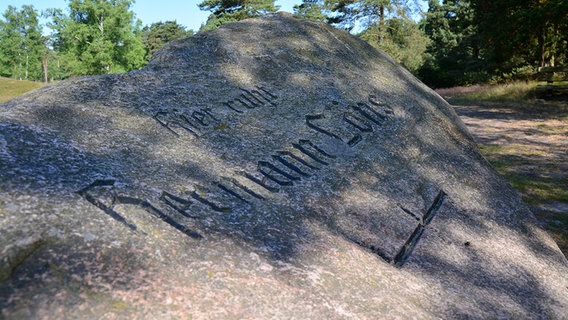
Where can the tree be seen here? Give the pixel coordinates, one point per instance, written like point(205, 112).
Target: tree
point(34, 43)
point(385, 25)
point(402, 39)
point(159, 34)
point(225, 11)
point(530, 32)
point(98, 37)
point(314, 10)
point(455, 56)
point(21, 44)
point(364, 14)
point(11, 41)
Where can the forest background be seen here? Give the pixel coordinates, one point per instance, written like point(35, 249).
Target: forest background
point(459, 42)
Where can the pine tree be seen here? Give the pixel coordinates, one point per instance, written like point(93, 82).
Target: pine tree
point(314, 10)
point(21, 44)
point(364, 14)
point(402, 40)
point(159, 34)
point(225, 11)
point(454, 54)
point(385, 25)
point(530, 32)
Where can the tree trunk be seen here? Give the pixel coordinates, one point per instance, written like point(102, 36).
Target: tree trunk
point(381, 23)
point(27, 66)
point(541, 47)
point(45, 62)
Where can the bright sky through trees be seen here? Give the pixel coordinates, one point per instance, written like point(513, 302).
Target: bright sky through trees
point(185, 12)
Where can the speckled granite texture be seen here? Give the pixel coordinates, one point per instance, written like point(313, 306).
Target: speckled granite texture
point(272, 169)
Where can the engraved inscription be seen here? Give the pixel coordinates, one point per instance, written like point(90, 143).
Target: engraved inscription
point(148, 207)
point(250, 99)
point(240, 186)
point(99, 204)
point(117, 199)
point(192, 121)
point(208, 202)
point(361, 116)
point(312, 151)
point(179, 204)
point(280, 169)
point(310, 121)
point(423, 222)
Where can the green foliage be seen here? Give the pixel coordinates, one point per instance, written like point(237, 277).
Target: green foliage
point(454, 57)
point(225, 11)
point(159, 34)
point(402, 40)
point(367, 13)
point(530, 32)
point(385, 26)
point(314, 10)
point(98, 37)
point(476, 41)
point(21, 44)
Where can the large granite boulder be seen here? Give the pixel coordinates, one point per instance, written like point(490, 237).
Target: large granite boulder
point(274, 168)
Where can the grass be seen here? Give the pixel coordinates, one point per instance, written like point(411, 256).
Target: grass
point(521, 91)
point(511, 113)
point(535, 188)
point(10, 88)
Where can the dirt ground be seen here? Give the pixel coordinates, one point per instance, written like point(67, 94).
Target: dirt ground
point(528, 144)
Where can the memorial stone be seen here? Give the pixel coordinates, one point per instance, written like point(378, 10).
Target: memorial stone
point(274, 168)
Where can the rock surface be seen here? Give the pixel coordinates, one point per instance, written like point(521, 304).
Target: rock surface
point(274, 168)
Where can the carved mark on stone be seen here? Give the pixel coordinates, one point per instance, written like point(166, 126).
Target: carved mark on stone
point(312, 151)
point(192, 121)
point(204, 117)
point(410, 213)
point(239, 185)
point(250, 99)
point(357, 121)
point(99, 204)
point(245, 101)
point(374, 249)
point(232, 192)
point(276, 174)
point(264, 95)
point(423, 222)
point(355, 140)
point(261, 181)
point(179, 204)
point(170, 120)
point(310, 119)
point(148, 207)
point(386, 109)
point(210, 203)
point(369, 112)
point(230, 105)
point(284, 156)
point(119, 199)
point(248, 96)
point(267, 92)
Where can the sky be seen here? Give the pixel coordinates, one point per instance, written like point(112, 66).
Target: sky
point(185, 12)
